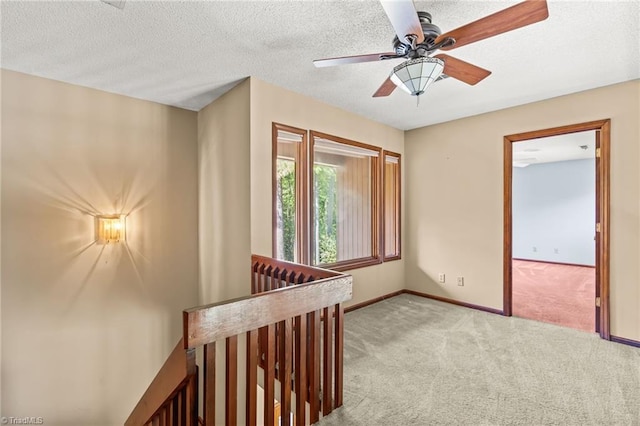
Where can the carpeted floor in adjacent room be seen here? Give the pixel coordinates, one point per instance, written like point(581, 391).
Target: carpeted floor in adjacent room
point(415, 361)
point(554, 293)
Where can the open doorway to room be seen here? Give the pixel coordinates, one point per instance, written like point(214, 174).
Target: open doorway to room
point(556, 258)
point(553, 233)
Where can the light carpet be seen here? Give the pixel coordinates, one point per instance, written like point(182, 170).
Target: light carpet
point(415, 361)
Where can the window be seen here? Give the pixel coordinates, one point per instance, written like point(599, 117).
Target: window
point(289, 159)
point(345, 202)
point(327, 200)
point(391, 206)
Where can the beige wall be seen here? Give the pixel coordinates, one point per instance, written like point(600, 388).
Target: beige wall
point(454, 197)
point(224, 196)
point(85, 327)
point(274, 104)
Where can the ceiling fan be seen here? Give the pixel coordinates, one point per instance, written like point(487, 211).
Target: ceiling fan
point(417, 38)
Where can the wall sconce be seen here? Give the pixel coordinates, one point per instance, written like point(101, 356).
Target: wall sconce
point(110, 229)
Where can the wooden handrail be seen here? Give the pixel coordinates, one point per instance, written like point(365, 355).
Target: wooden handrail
point(207, 324)
point(176, 370)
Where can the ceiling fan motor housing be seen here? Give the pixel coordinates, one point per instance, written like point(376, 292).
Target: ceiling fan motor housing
point(431, 32)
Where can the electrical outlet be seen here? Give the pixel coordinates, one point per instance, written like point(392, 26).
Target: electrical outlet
point(460, 281)
point(555, 250)
point(535, 249)
point(441, 277)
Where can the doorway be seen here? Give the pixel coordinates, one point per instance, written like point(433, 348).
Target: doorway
point(600, 294)
point(553, 217)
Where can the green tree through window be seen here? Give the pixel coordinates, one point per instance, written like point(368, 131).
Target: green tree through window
point(326, 213)
point(286, 198)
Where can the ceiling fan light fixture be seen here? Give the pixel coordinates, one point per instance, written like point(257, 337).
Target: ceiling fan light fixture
point(415, 75)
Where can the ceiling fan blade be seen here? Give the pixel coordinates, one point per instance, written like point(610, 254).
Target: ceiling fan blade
point(404, 19)
point(330, 62)
point(463, 71)
point(386, 89)
point(115, 3)
point(518, 16)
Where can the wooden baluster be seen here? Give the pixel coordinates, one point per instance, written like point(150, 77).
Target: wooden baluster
point(192, 399)
point(292, 278)
point(327, 358)
point(209, 396)
point(167, 414)
point(314, 366)
point(161, 417)
point(269, 373)
point(269, 276)
point(185, 409)
point(262, 339)
point(252, 377)
point(339, 340)
point(285, 373)
point(262, 279)
point(182, 408)
point(254, 278)
point(195, 388)
point(300, 368)
point(276, 362)
point(262, 333)
point(175, 410)
point(231, 380)
point(275, 279)
point(300, 279)
point(155, 421)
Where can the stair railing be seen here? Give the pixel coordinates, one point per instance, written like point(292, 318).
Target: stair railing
point(172, 397)
point(321, 353)
point(291, 331)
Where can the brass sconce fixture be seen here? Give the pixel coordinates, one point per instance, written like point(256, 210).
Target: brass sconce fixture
point(110, 229)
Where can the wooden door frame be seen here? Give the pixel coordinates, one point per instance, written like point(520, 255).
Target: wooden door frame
point(603, 130)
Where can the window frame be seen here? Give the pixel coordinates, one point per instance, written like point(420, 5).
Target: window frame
point(398, 206)
point(302, 224)
point(304, 212)
point(375, 257)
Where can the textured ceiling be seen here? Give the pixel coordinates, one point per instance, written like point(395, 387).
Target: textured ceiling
point(188, 53)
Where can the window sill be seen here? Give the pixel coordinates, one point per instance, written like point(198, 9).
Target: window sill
point(391, 258)
point(352, 264)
